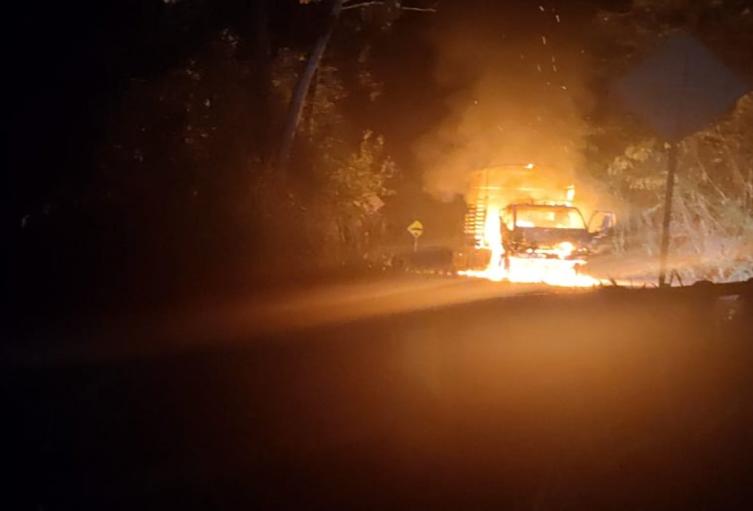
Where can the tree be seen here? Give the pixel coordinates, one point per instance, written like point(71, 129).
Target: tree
point(303, 85)
point(710, 232)
point(312, 63)
point(712, 228)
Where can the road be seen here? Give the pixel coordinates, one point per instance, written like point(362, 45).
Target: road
point(248, 318)
point(407, 394)
point(174, 328)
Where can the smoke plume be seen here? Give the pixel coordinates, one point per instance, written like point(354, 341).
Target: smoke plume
point(516, 94)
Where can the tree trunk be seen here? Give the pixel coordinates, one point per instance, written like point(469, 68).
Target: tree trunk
point(302, 87)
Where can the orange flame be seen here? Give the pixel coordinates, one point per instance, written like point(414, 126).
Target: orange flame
point(554, 271)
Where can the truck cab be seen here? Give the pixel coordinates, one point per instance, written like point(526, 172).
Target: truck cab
point(543, 230)
point(552, 231)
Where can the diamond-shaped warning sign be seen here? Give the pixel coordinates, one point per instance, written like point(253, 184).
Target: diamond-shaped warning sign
point(416, 229)
point(680, 87)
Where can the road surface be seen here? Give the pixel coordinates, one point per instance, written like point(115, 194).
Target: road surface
point(417, 394)
point(249, 318)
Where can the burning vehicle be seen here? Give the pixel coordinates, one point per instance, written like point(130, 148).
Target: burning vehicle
point(552, 231)
point(522, 230)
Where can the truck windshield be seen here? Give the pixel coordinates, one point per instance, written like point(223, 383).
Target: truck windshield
point(549, 218)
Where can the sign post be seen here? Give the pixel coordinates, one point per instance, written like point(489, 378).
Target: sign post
point(670, 188)
point(678, 90)
point(416, 229)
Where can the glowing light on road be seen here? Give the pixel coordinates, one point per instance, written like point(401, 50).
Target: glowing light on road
point(554, 272)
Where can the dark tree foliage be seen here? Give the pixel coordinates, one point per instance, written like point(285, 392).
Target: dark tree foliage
point(154, 178)
point(713, 212)
point(142, 132)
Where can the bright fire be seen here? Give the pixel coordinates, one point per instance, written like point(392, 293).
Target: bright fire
point(490, 190)
point(554, 271)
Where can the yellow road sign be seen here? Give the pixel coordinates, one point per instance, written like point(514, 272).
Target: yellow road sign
point(416, 229)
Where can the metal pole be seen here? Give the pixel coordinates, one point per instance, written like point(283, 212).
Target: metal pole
point(670, 187)
point(415, 243)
